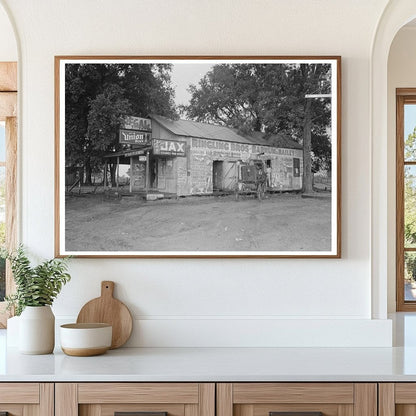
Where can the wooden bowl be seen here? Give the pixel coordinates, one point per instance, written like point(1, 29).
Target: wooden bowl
point(84, 340)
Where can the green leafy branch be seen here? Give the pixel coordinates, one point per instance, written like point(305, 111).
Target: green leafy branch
point(35, 286)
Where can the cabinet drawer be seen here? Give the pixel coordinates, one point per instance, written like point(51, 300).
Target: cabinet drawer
point(296, 399)
point(21, 399)
point(138, 393)
point(145, 399)
point(19, 393)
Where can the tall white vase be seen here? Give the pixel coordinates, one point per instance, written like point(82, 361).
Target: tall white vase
point(37, 330)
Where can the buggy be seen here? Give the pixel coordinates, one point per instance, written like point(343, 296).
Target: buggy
point(251, 179)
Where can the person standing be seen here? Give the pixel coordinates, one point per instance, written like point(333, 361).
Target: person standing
point(269, 177)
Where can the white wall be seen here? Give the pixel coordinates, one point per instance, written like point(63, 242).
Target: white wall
point(203, 302)
point(401, 74)
point(8, 47)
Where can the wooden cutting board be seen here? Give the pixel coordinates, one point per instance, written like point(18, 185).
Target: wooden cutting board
point(108, 310)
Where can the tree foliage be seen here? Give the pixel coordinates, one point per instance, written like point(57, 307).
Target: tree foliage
point(410, 192)
point(410, 205)
point(35, 286)
point(104, 118)
point(96, 98)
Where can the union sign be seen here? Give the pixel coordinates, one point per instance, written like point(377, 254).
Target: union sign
point(134, 137)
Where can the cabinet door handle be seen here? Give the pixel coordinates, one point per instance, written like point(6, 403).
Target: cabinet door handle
point(138, 414)
point(295, 413)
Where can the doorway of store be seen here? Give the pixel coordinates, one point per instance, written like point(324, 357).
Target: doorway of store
point(217, 172)
point(153, 173)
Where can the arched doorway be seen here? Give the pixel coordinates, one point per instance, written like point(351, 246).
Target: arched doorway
point(396, 15)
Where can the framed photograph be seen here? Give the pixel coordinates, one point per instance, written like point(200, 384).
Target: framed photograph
point(198, 156)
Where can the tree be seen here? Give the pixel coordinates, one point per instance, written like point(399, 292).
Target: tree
point(410, 192)
point(104, 118)
point(270, 98)
point(96, 98)
point(410, 146)
point(410, 217)
point(314, 79)
point(410, 205)
point(234, 95)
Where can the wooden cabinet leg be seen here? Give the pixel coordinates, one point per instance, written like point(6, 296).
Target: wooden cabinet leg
point(386, 399)
point(224, 399)
point(66, 399)
point(47, 399)
point(207, 399)
point(365, 399)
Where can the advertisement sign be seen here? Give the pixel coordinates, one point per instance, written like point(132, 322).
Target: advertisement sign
point(169, 147)
point(134, 153)
point(227, 147)
point(137, 123)
point(134, 137)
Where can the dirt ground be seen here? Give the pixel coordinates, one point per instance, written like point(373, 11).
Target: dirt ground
point(283, 222)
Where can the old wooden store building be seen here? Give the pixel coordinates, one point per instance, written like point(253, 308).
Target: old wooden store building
point(183, 157)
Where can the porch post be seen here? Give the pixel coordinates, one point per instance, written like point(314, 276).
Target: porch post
point(131, 174)
point(118, 171)
point(147, 172)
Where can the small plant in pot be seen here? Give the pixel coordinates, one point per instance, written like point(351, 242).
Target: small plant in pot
point(36, 289)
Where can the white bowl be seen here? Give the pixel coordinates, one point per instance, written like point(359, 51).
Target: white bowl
point(83, 340)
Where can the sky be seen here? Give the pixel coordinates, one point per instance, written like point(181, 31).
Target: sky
point(184, 74)
point(409, 119)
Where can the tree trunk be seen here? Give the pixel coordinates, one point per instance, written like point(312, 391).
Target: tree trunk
point(113, 168)
point(307, 149)
point(88, 173)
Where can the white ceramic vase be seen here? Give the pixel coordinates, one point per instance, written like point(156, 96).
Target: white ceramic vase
point(37, 330)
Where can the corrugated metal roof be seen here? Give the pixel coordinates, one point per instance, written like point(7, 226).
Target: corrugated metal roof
point(200, 130)
point(191, 128)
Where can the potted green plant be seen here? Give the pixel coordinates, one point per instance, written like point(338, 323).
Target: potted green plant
point(36, 289)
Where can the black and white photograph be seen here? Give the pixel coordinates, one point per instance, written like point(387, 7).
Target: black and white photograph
point(198, 156)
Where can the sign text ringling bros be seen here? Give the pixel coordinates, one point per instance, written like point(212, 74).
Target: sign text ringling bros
point(239, 147)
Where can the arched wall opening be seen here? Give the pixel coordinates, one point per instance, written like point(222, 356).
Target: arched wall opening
point(401, 73)
point(8, 44)
point(384, 80)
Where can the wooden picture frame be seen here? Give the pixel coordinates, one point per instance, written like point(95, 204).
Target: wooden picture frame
point(246, 163)
point(8, 116)
point(405, 301)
